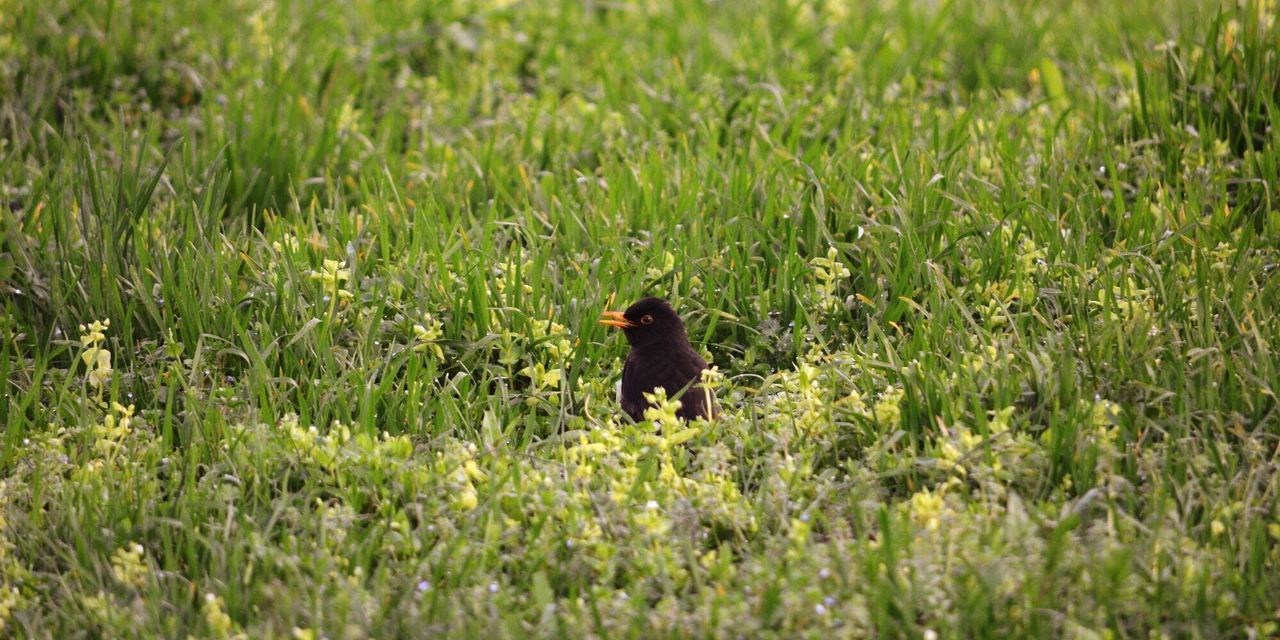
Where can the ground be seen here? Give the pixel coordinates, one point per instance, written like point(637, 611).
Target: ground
point(299, 328)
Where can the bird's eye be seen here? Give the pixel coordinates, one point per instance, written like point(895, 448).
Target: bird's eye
point(646, 320)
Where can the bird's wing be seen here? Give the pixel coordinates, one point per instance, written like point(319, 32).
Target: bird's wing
point(697, 361)
point(678, 372)
point(689, 367)
point(697, 401)
point(633, 407)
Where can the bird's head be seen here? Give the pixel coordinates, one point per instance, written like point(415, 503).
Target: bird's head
point(649, 321)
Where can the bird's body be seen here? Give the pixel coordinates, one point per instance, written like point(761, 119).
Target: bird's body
point(660, 357)
point(674, 372)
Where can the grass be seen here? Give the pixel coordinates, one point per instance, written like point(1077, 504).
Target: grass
point(991, 289)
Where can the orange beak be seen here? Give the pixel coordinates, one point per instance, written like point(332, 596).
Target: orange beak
point(616, 319)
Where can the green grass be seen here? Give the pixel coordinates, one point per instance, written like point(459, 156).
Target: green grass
point(993, 287)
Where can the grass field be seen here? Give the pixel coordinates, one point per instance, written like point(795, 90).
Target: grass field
point(299, 318)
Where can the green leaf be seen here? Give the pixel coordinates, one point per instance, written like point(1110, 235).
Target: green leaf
point(1054, 87)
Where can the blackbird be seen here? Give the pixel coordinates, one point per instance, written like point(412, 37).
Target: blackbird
point(661, 356)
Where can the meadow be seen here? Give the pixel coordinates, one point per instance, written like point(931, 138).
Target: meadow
point(299, 334)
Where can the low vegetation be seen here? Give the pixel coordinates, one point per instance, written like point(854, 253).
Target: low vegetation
point(299, 318)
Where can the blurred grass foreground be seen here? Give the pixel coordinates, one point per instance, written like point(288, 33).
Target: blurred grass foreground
point(298, 335)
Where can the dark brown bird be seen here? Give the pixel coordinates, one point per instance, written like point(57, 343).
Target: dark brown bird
point(661, 356)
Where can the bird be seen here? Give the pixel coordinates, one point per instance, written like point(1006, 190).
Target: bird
point(660, 357)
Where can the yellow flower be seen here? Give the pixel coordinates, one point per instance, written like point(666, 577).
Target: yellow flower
point(473, 471)
point(681, 437)
point(668, 265)
point(331, 277)
point(99, 362)
point(949, 458)
point(126, 414)
point(829, 271)
point(651, 520)
point(926, 508)
point(219, 622)
point(662, 411)
point(999, 422)
point(799, 531)
point(94, 333)
point(585, 450)
point(1104, 413)
point(100, 607)
point(467, 499)
point(552, 335)
point(96, 357)
point(542, 377)
point(708, 559)
point(1103, 417)
point(9, 597)
point(427, 334)
point(127, 565)
point(888, 410)
point(113, 430)
point(287, 244)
